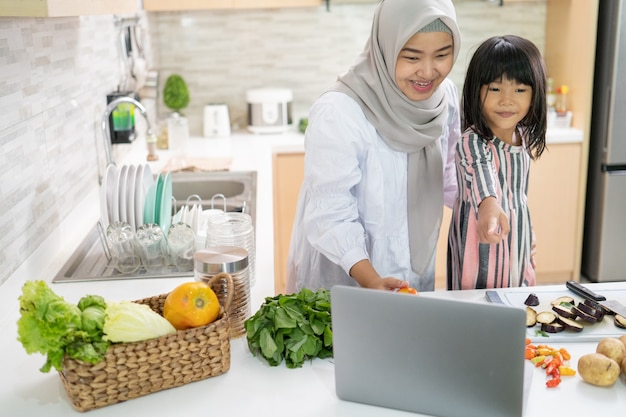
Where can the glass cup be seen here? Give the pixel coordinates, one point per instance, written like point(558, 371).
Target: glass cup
point(181, 241)
point(121, 241)
point(152, 247)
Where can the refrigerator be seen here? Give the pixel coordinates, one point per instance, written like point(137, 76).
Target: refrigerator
point(604, 236)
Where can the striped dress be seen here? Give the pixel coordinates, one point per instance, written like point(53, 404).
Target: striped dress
point(490, 168)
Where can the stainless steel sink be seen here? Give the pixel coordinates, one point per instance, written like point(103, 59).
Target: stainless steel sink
point(234, 191)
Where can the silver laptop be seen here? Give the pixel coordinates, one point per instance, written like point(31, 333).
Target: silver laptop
point(428, 355)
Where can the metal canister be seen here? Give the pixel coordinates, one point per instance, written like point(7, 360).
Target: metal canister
point(234, 261)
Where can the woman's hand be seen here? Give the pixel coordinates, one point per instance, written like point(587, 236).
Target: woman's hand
point(366, 276)
point(393, 284)
point(493, 223)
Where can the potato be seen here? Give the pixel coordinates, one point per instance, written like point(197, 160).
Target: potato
point(623, 339)
point(624, 366)
point(597, 369)
point(613, 348)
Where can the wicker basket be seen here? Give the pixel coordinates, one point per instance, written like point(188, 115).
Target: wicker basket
point(131, 370)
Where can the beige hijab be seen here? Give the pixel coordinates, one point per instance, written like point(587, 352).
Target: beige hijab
point(406, 126)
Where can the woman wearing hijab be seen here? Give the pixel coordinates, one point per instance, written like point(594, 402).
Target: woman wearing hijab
point(379, 157)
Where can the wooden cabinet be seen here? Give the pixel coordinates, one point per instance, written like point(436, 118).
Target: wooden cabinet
point(553, 198)
point(58, 8)
point(570, 54)
point(173, 5)
point(287, 175)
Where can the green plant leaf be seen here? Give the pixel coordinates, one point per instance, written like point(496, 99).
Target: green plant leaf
point(175, 93)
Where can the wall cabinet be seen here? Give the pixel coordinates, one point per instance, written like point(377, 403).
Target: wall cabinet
point(173, 5)
point(58, 8)
point(287, 175)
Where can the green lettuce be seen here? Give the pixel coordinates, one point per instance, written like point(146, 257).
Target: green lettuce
point(53, 327)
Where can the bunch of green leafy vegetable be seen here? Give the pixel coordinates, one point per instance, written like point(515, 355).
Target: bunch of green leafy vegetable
point(292, 327)
point(51, 326)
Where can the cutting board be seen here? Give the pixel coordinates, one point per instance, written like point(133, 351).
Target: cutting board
point(592, 332)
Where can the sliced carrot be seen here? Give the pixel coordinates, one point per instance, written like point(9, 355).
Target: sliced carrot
point(566, 355)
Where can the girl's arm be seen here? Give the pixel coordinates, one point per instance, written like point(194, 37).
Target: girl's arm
point(475, 159)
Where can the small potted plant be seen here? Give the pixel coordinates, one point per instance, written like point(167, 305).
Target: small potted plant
point(176, 98)
point(176, 93)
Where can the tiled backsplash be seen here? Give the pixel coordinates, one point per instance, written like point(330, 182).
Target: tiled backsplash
point(56, 72)
point(221, 54)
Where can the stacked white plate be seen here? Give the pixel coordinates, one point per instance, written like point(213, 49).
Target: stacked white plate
point(123, 194)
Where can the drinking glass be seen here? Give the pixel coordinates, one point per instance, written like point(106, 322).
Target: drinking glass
point(181, 241)
point(152, 247)
point(121, 241)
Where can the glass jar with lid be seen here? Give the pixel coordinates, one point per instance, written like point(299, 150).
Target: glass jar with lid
point(233, 229)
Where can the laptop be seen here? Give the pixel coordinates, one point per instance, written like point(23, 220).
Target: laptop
point(428, 355)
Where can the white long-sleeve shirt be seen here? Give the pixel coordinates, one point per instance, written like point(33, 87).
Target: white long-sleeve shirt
point(353, 201)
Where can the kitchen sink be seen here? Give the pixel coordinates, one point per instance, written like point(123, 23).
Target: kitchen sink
point(232, 191)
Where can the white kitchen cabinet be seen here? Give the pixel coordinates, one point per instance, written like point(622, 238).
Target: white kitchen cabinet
point(173, 5)
point(58, 8)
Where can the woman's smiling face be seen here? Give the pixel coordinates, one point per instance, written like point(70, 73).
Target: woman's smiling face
point(423, 63)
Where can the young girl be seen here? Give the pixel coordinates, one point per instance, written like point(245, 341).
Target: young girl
point(491, 240)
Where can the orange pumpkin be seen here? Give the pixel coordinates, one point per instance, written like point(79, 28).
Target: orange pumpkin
point(191, 304)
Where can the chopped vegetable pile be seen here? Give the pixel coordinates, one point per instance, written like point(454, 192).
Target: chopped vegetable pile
point(293, 327)
point(554, 361)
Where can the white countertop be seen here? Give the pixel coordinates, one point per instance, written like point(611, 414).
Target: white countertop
point(556, 135)
point(250, 387)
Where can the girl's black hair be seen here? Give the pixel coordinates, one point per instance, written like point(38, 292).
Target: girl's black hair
point(513, 58)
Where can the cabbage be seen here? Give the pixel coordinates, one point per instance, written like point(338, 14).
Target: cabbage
point(92, 314)
point(130, 322)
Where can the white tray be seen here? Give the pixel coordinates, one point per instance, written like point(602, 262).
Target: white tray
point(591, 332)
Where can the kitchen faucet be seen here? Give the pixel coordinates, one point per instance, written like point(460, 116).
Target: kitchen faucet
point(105, 123)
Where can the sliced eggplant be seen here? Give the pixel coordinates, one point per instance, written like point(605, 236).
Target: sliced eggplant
point(554, 327)
point(598, 306)
point(564, 311)
point(620, 321)
point(532, 300)
point(531, 317)
point(563, 299)
point(598, 314)
point(587, 317)
point(570, 324)
point(546, 317)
